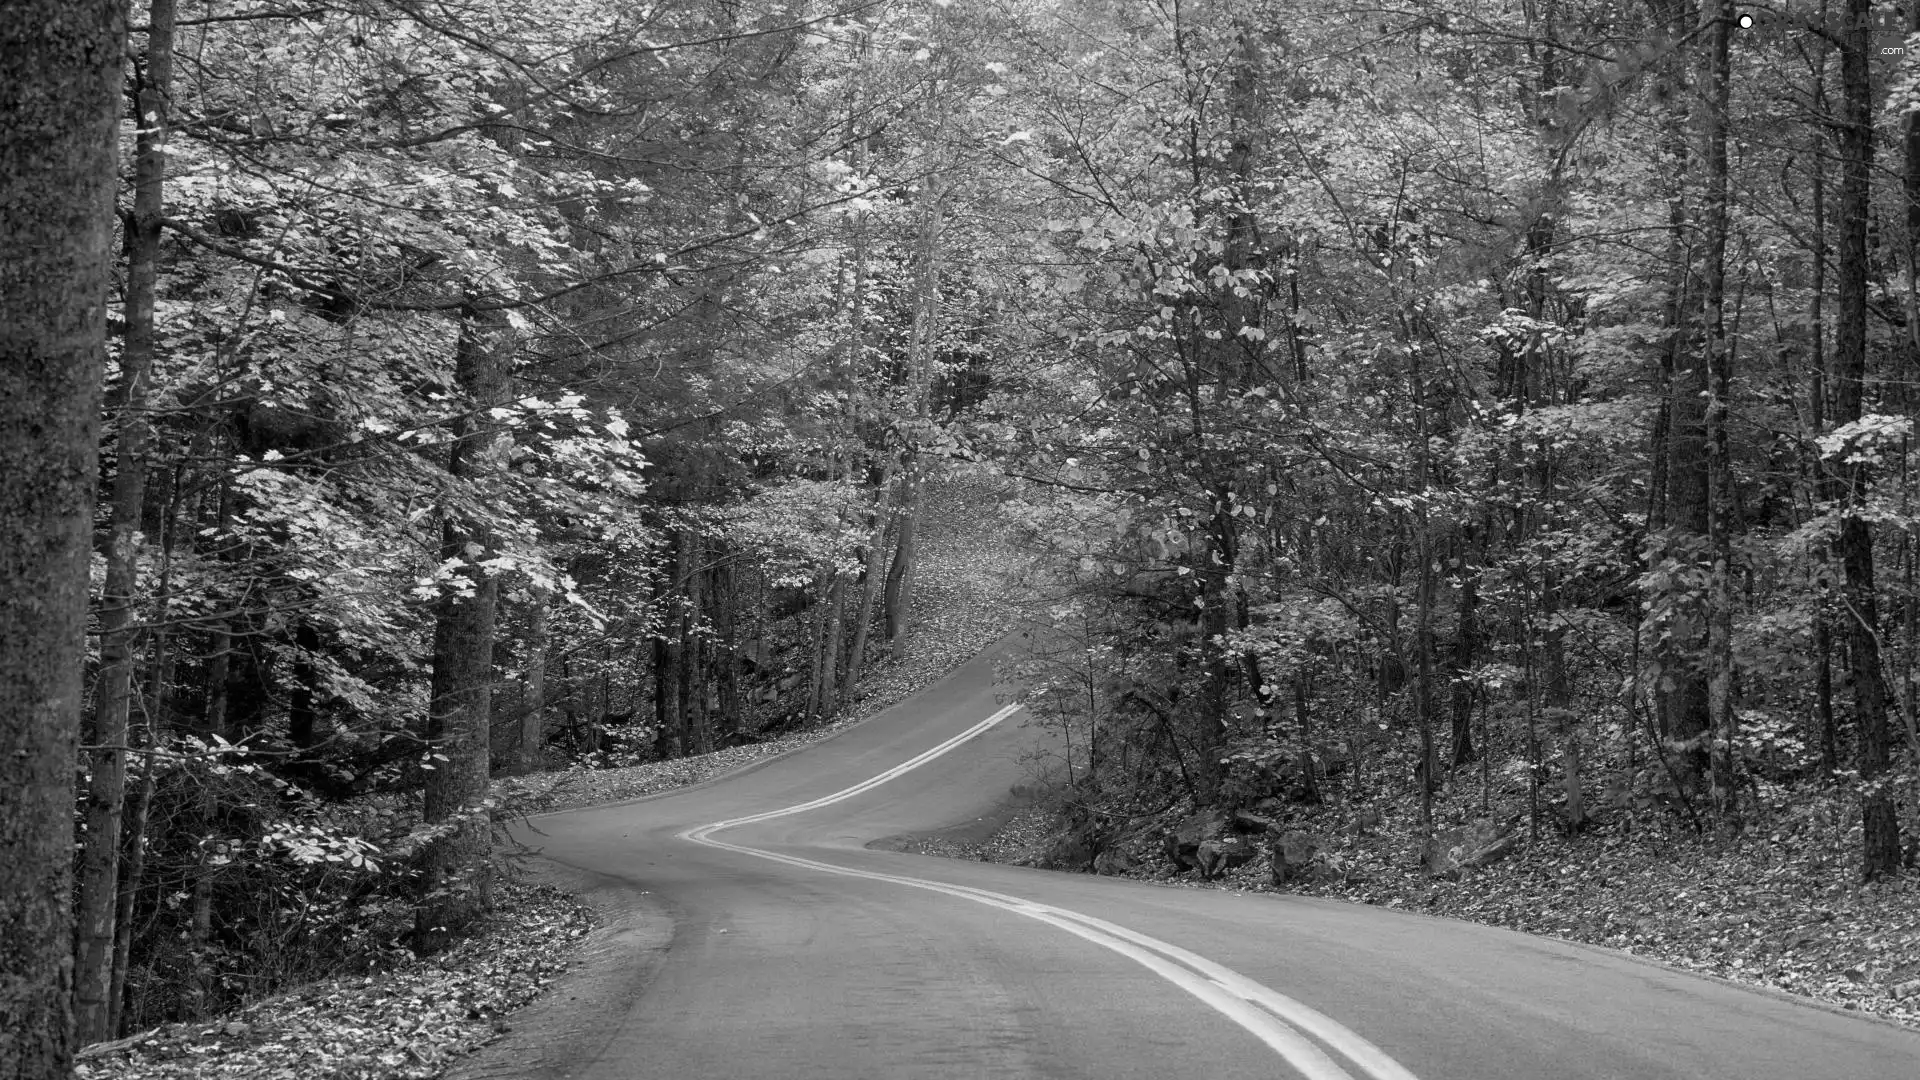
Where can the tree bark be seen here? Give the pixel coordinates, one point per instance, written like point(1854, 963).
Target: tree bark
point(666, 695)
point(60, 79)
point(1684, 716)
point(106, 788)
point(1719, 369)
point(687, 667)
point(456, 867)
point(1466, 647)
point(898, 597)
point(529, 742)
point(1880, 839)
point(727, 647)
point(870, 580)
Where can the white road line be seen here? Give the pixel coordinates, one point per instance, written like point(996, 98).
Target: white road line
point(1267, 1014)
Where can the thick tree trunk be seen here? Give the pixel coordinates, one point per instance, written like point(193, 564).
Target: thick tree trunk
point(529, 741)
point(1880, 840)
point(456, 867)
point(727, 648)
point(833, 690)
point(59, 90)
point(898, 597)
point(817, 647)
point(870, 580)
point(113, 689)
point(666, 696)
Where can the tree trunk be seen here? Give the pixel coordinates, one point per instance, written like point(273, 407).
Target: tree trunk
point(898, 598)
point(687, 666)
point(1719, 366)
point(833, 690)
point(870, 580)
point(1684, 716)
point(1466, 647)
point(666, 696)
point(130, 881)
point(1880, 840)
point(1819, 479)
point(106, 789)
point(529, 748)
point(59, 88)
point(456, 868)
point(817, 646)
point(1559, 702)
point(727, 654)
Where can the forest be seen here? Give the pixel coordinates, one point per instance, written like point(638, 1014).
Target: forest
point(1464, 401)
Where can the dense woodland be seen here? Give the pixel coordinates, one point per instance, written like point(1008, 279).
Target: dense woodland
point(1505, 395)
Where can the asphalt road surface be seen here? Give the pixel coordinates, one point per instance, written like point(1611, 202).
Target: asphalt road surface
point(754, 934)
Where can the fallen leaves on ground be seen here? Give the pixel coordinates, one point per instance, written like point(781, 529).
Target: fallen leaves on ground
point(404, 1024)
point(1776, 904)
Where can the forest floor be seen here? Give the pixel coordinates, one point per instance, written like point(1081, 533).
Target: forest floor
point(1777, 904)
point(410, 1022)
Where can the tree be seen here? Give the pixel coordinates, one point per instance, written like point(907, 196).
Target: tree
point(60, 70)
point(456, 863)
point(1880, 837)
point(98, 888)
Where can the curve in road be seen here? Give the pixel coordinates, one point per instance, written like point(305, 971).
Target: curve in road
point(797, 951)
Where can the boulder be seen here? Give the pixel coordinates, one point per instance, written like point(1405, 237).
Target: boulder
point(1182, 845)
point(1293, 853)
point(1217, 855)
point(1113, 861)
point(1246, 821)
point(1481, 842)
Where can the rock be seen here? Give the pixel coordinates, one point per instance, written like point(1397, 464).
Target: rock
point(1247, 821)
point(1220, 854)
point(1113, 861)
point(1293, 854)
point(1480, 843)
point(1906, 990)
point(1182, 845)
point(236, 1028)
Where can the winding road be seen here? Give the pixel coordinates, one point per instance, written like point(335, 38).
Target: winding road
point(754, 934)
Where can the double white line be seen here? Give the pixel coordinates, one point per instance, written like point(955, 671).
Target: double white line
point(1277, 1020)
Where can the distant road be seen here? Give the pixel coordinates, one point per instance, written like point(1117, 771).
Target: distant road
point(796, 952)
